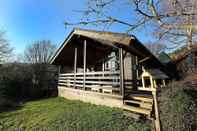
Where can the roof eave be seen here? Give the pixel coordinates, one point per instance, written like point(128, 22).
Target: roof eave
point(62, 46)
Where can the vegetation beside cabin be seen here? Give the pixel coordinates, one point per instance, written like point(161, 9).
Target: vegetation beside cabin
point(34, 78)
point(178, 105)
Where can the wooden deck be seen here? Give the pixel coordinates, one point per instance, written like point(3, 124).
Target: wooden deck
point(136, 103)
point(103, 88)
point(97, 98)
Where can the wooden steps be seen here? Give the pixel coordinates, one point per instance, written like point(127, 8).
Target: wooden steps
point(145, 105)
point(140, 97)
point(137, 110)
point(143, 99)
point(194, 83)
point(139, 103)
point(130, 114)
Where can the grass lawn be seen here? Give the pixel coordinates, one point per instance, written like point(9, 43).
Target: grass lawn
point(65, 115)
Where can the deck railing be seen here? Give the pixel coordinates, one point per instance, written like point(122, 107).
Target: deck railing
point(105, 79)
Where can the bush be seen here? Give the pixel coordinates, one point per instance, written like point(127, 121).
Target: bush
point(178, 107)
point(17, 81)
point(5, 103)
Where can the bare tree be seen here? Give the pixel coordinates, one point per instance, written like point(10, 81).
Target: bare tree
point(5, 49)
point(39, 52)
point(156, 48)
point(176, 18)
point(173, 20)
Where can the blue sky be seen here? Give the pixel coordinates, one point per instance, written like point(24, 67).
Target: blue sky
point(26, 21)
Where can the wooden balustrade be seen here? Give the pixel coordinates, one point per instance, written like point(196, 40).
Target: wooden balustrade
point(95, 81)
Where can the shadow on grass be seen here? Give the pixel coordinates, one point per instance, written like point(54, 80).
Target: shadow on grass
point(12, 103)
point(9, 105)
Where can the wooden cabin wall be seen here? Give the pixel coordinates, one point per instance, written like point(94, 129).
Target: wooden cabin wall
point(66, 69)
point(128, 67)
point(130, 71)
point(111, 63)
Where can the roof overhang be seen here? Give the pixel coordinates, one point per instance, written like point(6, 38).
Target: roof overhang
point(155, 74)
point(129, 43)
point(118, 40)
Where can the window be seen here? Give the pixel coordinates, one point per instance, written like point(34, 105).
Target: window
point(159, 82)
point(113, 64)
point(107, 66)
point(147, 82)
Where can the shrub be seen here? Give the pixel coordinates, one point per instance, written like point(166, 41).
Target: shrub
point(5, 103)
point(178, 107)
point(17, 81)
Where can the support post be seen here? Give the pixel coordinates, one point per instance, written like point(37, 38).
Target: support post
point(121, 64)
point(143, 83)
point(75, 67)
point(157, 118)
point(152, 83)
point(164, 82)
point(103, 67)
point(134, 72)
point(59, 71)
point(84, 64)
point(137, 68)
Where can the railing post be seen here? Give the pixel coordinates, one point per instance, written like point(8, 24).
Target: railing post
point(103, 67)
point(59, 71)
point(134, 71)
point(152, 83)
point(157, 118)
point(75, 67)
point(164, 82)
point(121, 72)
point(84, 64)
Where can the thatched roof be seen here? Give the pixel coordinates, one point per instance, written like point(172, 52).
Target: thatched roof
point(102, 39)
point(125, 41)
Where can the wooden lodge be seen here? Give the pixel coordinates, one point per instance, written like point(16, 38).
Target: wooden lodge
point(112, 69)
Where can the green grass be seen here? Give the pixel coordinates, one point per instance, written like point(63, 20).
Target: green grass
point(65, 115)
